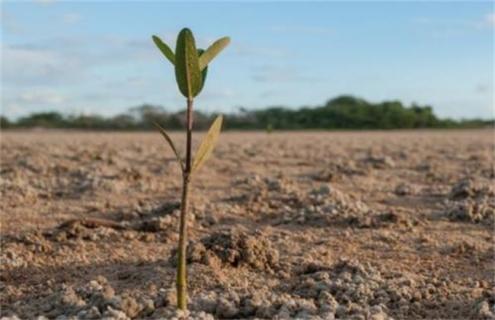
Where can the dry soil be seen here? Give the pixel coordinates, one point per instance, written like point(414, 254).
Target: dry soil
point(307, 225)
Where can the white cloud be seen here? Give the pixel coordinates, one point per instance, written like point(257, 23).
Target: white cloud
point(454, 27)
point(303, 30)
point(40, 96)
point(483, 88)
point(489, 20)
point(71, 18)
point(211, 94)
point(270, 94)
point(30, 69)
point(27, 66)
point(271, 73)
point(44, 2)
point(63, 60)
point(247, 50)
point(19, 103)
point(10, 23)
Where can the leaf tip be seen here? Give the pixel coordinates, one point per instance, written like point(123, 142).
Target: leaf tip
point(156, 39)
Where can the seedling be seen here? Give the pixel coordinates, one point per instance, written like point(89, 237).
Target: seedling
point(191, 68)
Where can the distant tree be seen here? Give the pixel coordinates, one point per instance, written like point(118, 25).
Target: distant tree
point(5, 122)
point(122, 122)
point(146, 114)
point(89, 122)
point(425, 118)
point(346, 100)
point(342, 112)
point(43, 119)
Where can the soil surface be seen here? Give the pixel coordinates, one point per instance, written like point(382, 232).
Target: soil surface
point(310, 225)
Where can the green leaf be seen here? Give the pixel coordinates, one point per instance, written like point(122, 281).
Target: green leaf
point(167, 52)
point(171, 144)
point(206, 147)
point(204, 72)
point(187, 72)
point(213, 51)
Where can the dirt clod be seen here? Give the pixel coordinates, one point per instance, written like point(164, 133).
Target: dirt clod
point(236, 248)
point(471, 201)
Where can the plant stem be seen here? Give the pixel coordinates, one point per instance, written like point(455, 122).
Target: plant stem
point(181, 261)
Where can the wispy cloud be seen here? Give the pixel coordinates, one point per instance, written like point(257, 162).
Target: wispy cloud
point(488, 20)
point(39, 98)
point(68, 59)
point(218, 94)
point(483, 88)
point(71, 18)
point(313, 30)
point(10, 23)
point(250, 51)
point(28, 66)
point(272, 73)
point(268, 94)
point(45, 2)
point(446, 28)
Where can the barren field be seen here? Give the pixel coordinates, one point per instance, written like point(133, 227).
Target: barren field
point(310, 225)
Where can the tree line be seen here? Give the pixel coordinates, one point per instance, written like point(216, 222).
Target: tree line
point(343, 112)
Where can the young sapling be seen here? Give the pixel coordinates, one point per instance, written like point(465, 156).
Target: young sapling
point(191, 67)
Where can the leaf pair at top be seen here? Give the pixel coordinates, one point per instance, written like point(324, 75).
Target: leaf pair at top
point(191, 64)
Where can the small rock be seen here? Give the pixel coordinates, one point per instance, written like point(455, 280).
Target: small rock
point(404, 189)
point(327, 302)
point(130, 306)
point(148, 306)
point(70, 297)
point(376, 313)
point(91, 313)
point(13, 317)
point(484, 312)
point(112, 314)
point(226, 309)
point(380, 162)
point(157, 224)
point(207, 302)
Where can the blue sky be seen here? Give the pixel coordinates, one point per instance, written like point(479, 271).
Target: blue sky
point(97, 57)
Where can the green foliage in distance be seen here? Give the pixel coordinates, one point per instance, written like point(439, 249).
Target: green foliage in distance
point(350, 113)
point(344, 112)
